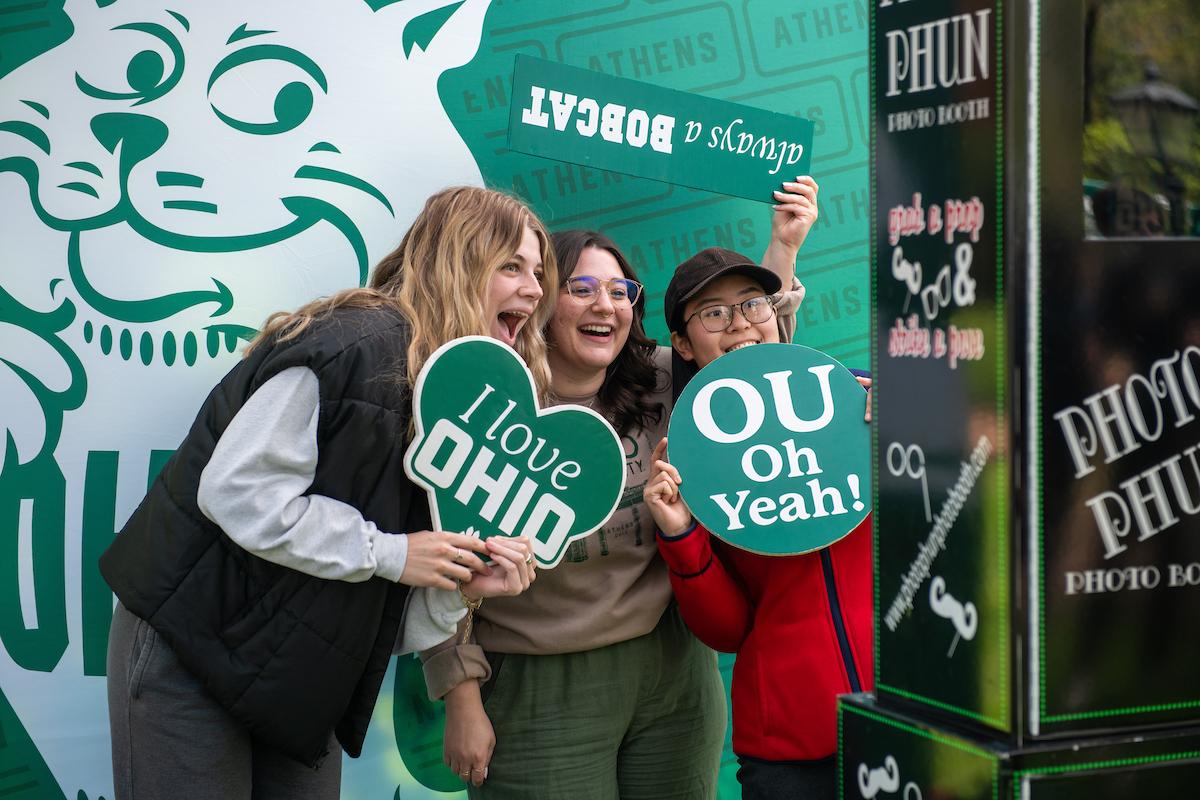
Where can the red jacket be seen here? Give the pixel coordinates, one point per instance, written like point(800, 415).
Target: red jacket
point(801, 628)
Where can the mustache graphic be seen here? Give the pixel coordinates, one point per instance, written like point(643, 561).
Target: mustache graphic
point(881, 779)
point(963, 616)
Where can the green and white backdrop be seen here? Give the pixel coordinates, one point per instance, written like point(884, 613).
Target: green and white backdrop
point(173, 171)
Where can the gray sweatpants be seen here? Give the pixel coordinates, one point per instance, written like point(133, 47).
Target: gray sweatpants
point(171, 740)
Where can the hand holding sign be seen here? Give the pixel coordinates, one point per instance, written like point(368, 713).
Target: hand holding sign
point(494, 463)
point(788, 421)
point(671, 514)
point(512, 569)
point(441, 560)
point(795, 212)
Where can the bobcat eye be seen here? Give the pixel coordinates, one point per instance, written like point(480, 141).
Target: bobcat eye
point(275, 71)
point(146, 76)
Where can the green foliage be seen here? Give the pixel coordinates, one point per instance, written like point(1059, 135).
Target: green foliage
point(1128, 34)
point(1106, 150)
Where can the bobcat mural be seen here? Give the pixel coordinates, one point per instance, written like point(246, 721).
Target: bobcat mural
point(170, 173)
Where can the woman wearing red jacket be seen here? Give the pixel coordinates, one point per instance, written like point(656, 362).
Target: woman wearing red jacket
point(800, 625)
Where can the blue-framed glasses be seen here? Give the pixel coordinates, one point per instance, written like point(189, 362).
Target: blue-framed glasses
point(586, 289)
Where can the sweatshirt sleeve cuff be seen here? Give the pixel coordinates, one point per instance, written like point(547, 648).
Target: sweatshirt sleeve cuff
point(448, 666)
point(678, 536)
point(429, 618)
point(391, 555)
point(688, 553)
point(786, 306)
point(445, 607)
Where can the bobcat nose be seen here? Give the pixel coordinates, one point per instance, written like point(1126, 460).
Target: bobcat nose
point(139, 136)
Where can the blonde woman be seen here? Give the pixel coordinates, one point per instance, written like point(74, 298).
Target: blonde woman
point(263, 580)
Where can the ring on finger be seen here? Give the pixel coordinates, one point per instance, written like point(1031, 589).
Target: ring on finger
point(458, 555)
point(529, 558)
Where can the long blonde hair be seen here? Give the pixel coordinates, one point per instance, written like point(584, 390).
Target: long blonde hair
point(439, 275)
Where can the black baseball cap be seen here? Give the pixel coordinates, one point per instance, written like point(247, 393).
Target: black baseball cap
point(702, 269)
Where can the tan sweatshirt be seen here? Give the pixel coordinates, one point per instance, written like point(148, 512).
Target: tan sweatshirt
point(610, 587)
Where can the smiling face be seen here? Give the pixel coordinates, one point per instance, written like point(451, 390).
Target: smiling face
point(514, 290)
point(703, 347)
point(588, 336)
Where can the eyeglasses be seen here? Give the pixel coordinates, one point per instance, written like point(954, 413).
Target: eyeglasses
point(718, 318)
point(621, 291)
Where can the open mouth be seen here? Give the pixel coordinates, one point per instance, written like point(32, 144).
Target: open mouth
point(740, 345)
point(511, 322)
point(597, 333)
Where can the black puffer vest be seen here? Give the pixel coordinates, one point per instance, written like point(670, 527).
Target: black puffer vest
point(291, 656)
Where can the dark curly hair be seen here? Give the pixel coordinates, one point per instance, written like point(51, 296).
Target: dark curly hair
point(632, 376)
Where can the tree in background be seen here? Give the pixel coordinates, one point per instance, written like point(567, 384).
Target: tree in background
point(1120, 36)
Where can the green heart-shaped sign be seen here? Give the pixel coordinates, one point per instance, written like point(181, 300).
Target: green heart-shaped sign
point(772, 449)
point(495, 464)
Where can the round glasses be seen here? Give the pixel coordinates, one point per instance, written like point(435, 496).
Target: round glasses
point(586, 289)
point(718, 318)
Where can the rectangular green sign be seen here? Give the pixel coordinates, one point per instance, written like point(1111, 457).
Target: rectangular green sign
point(585, 117)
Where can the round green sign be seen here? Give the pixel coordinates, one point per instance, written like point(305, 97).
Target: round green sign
point(772, 448)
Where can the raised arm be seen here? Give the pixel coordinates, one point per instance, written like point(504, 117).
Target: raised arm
point(792, 218)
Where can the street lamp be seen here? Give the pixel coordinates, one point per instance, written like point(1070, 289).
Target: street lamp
point(1158, 119)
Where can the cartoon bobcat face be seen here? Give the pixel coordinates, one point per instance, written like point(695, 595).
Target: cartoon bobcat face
point(184, 150)
point(211, 163)
point(171, 173)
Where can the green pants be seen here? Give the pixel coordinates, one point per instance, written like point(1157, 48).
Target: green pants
point(637, 720)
